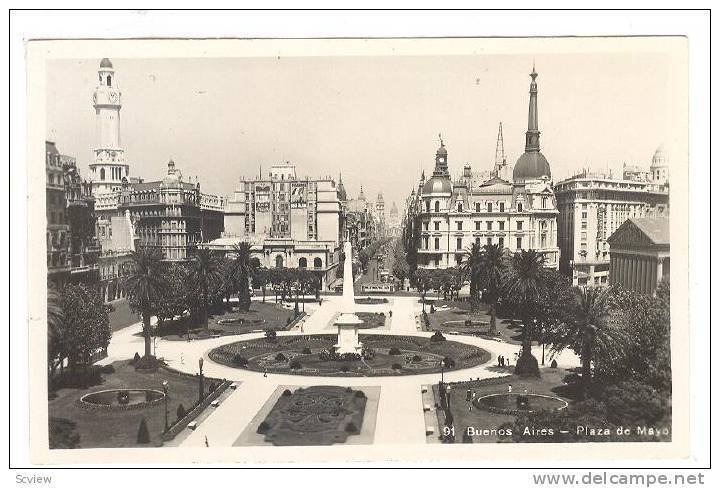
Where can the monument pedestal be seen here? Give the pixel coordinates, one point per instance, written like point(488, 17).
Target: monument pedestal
point(348, 336)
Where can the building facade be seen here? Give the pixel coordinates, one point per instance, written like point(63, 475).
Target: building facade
point(290, 221)
point(71, 247)
point(516, 215)
point(640, 254)
point(593, 205)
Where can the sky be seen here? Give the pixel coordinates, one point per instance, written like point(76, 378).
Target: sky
point(375, 119)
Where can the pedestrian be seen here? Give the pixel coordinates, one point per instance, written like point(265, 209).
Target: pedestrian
point(264, 372)
point(182, 359)
point(390, 313)
point(320, 302)
point(207, 444)
point(509, 388)
point(499, 360)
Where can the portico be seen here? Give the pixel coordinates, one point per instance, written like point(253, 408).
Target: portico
point(640, 254)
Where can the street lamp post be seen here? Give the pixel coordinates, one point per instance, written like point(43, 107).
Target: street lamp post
point(165, 391)
point(201, 388)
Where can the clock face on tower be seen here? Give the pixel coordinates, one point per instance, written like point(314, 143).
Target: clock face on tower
point(442, 160)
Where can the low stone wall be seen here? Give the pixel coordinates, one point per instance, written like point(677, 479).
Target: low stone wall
point(182, 423)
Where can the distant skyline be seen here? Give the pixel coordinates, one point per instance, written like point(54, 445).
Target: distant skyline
point(376, 120)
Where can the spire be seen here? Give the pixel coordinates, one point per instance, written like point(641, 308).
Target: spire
point(532, 136)
point(499, 150)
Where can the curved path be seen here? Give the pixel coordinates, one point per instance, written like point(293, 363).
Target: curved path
point(400, 418)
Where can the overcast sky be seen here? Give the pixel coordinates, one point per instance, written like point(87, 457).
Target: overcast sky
point(375, 119)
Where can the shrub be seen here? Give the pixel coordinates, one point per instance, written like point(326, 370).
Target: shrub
point(416, 358)
point(181, 411)
point(123, 397)
point(212, 387)
point(143, 436)
point(348, 390)
point(136, 358)
point(437, 337)
point(344, 368)
point(349, 356)
point(295, 365)
point(432, 308)
point(147, 363)
point(61, 434)
point(286, 393)
point(289, 319)
point(359, 394)
point(351, 428)
point(397, 366)
point(306, 350)
point(263, 427)
point(108, 369)
point(394, 351)
point(280, 357)
point(572, 379)
point(239, 360)
point(468, 322)
point(553, 364)
point(449, 362)
point(270, 335)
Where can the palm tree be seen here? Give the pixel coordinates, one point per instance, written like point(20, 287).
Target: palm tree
point(470, 269)
point(492, 270)
point(144, 285)
point(589, 330)
point(239, 272)
point(524, 288)
point(205, 274)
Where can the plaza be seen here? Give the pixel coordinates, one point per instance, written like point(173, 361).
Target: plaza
point(399, 417)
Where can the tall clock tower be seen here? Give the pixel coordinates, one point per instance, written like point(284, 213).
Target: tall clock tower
point(109, 167)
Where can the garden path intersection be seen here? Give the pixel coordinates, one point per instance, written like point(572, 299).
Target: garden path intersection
point(400, 417)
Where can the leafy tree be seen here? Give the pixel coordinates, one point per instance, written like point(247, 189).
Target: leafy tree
point(144, 285)
point(492, 269)
point(86, 324)
point(261, 278)
point(54, 327)
point(400, 268)
point(524, 289)
point(205, 275)
point(590, 329)
point(174, 298)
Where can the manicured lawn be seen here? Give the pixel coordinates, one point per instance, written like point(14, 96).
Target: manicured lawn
point(371, 320)
point(119, 428)
point(260, 317)
point(393, 356)
point(314, 416)
point(122, 316)
point(550, 383)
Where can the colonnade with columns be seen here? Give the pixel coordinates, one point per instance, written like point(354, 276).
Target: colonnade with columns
point(638, 272)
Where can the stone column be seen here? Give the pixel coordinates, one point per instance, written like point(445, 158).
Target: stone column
point(648, 278)
point(643, 275)
point(658, 277)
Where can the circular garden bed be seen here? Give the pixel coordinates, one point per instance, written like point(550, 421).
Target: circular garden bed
point(123, 399)
point(383, 355)
point(514, 403)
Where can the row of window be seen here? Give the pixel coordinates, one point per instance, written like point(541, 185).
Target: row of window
point(478, 225)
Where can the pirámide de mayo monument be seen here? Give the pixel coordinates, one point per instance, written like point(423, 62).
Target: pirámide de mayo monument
point(347, 323)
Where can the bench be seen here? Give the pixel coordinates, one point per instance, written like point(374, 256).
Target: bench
point(234, 386)
point(426, 407)
point(215, 403)
point(423, 389)
point(192, 425)
point(429, 430)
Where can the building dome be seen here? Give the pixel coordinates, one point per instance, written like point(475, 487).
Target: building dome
point(105, 63)
point(659, 158)
point(441, 150)
point(437, 184)
point(532, 165)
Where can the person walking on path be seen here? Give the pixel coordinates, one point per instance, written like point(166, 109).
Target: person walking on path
point(264, 372)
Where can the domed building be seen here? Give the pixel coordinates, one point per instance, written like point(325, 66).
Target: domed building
point(486, 209)
point(660, 167)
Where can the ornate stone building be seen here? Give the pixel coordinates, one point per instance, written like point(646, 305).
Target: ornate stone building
point(518, 214)
point(594, 205)
point(640, 253)
point(290, 221)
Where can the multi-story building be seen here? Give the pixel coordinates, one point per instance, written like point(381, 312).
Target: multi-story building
point(172, 214)
point(72, 248)
point(516, 215)
point(594, 205)
point(393, 222)
point(290, 221)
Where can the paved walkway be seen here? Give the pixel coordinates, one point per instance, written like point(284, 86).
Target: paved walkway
point(400, 418)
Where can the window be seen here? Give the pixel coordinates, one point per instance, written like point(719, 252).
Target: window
point(427, 206)
point(544, 202)
point(477, 241)
point(489, 225)
point(519, 225)
point(477, 225)
point(317, 262)
point(501, 242)
point(477, 207)
point(102, 174)
point(519, 243)
point(584, 215)
point(302, 262)
point(489, 207)
point(459, 243)
point(437, 243)
point(543, 241)
point(425, 242)
point(459, 225)
point(460, 207)
point(109, 80)
point(519, 207)
point(502, 206)
point(501, 224)
point(583, 225)
point(437, 206)
point(489, 241)
point(437, 225)
point(278, 261)
point(583, 236)
point(425, 225)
